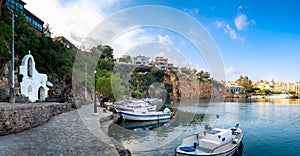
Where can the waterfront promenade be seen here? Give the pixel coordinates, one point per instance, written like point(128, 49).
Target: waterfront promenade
point(76, 132)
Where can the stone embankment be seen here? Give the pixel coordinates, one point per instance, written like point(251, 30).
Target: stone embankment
point(76, 132)
point(19, 117)
point(64, 134)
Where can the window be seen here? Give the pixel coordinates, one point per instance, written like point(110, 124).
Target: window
point(29, 67)
point(29, 89)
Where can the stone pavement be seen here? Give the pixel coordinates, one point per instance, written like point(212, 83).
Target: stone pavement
point(76, 132)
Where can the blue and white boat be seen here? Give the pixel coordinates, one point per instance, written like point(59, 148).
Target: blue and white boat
point(134, 105)
point(147, 115)
point(216, 141)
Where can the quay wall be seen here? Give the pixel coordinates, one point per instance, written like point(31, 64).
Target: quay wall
point(16, 118)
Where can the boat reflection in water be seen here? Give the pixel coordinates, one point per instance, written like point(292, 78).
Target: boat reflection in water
point(144, 125)
point(239, 151)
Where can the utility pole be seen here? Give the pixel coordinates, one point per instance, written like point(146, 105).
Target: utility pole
point(12, 97)
point(85, 91)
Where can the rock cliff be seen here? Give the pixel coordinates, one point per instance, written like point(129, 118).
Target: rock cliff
point(188, 87)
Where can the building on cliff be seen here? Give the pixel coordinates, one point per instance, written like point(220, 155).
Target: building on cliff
point(18, 6)
point(161, 62)
point(67, 44)
point(140, 60)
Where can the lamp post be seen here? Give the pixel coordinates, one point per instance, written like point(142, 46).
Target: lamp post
point(85, 92)
point(12, 96)
point(95, 104)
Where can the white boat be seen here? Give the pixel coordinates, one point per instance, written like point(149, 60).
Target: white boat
point(134, 106)
point(216, 141)
point(153, 100)
point(147, 115)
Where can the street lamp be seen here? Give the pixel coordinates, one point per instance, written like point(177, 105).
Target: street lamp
point(85, 92)
point(95, 104)
point(12, 96)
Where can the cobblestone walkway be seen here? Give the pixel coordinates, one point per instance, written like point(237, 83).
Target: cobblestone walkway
point(64, 134)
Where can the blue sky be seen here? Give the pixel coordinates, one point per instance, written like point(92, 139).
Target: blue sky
point(271, 46)
point(260, 39)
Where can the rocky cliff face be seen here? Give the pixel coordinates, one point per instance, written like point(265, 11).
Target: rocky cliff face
point(189, 87)
point(172, 79)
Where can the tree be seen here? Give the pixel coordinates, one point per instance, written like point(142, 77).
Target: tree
point(267, 91)
point(203, 75)
point(117, 88)
point(193, 71)
point(5, 38)
point(291, 92)
point(158, 74)
point(106, 52)
point(109, 84)
point(125, 59)
point(106, 58)
point(185, 70)
point(103, 87)
point(244, 82)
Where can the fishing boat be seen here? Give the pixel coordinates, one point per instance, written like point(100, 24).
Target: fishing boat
point(147, 115)
point(212, 141)
point(134, 106)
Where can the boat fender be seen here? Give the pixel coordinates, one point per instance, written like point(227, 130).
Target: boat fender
point(234, 141)
point(195, 145)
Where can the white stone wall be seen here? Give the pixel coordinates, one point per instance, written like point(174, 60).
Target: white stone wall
point(33, 83)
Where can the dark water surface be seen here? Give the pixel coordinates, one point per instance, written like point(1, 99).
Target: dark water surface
point(270, 126)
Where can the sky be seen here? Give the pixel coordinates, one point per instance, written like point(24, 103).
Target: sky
point(260, 39)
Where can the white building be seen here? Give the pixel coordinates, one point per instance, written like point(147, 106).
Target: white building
point(33, 84)
point(161, 62)
point(297, 88)
point(140, 60)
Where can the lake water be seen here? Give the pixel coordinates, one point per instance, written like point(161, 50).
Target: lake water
point(271, 127)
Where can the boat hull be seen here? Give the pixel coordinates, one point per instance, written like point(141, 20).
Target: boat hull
point(148, 116)
point(191, 150)
point(121, 110)
point(226, 153)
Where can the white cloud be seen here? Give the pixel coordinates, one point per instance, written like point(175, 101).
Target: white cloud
point(193, 11)
point(219, 24)
point(232, 33)
point(71, 19)
point(231, 70)
point(165, 39)
point(232, 74)
point(241, 22)
point(131, 39)
point(240, 7)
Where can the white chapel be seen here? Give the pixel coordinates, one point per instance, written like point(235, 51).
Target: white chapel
point(33, 84)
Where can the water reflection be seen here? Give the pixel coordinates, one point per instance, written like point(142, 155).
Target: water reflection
point(266, 100)
point(144, 125)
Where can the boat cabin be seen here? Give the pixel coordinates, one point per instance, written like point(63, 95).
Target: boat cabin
point(215, 137)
